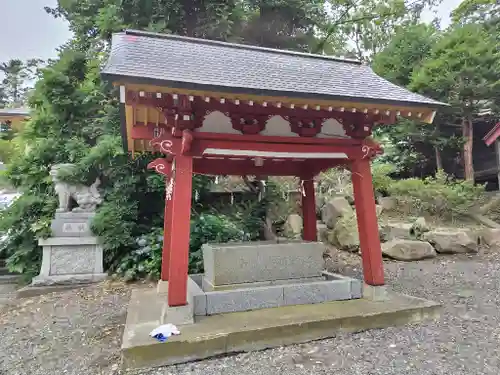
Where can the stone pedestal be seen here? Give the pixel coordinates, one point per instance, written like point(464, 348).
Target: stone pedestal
point(72, 224)
point(72, 255)
point(261, 262)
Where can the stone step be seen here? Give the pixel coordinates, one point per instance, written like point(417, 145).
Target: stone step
point(8, 279)
point(7, 293)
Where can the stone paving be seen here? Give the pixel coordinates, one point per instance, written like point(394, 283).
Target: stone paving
point(78, 332)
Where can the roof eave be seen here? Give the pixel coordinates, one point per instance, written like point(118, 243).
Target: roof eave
point(127, 79)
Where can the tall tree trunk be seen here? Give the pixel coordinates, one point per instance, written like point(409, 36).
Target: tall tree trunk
point(468, 137)
point(257, 187)
point(439, 161)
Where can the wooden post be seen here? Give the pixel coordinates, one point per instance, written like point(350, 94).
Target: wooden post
point(497, 154)
point(179, 241)
point(309, 211)
point(167, 234)
point(371, 252)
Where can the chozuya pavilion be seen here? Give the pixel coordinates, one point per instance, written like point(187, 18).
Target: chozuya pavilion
point(227, 109)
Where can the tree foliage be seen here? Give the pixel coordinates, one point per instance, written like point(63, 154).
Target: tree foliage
point(75, 115)
point(459, 66)
point(272, 23)
point(14, 86)
point(363, 28)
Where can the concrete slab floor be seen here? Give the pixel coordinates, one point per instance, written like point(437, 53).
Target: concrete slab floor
point(259, 329)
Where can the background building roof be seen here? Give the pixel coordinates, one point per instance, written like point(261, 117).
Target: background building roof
point(14, 112)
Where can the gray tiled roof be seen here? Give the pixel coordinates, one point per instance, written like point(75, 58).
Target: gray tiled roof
point(14, 112)
point(202, 64)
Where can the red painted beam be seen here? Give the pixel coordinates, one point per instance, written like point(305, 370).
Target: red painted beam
point(201, 145)
point(269, 168)
point(147, 132)
point(245, 167)
point(276, 139)
point(169, 144)
point(492, 135)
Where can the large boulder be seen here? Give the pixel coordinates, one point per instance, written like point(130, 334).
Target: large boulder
point(322, 232)
point(490, 237)
point(387, 203)
point(419, 227)
point(451, 241)
point(408, 249)
point(320, 202)
point(334, 209)
point(293, 226)
point(345, 234)
point(391, 231)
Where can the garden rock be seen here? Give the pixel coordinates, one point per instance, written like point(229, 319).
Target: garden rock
point(293, 226)
point(320, 202)
point(345, 234)
point(393, 231)
point(490, 237)
point(322, 233)
point(420, 225)
point(451, 241)
point(408, 250)
point(387, 203)
point(334, 209)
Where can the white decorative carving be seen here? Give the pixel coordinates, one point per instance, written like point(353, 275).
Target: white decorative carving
point(165, 146)
point(157, 131)
point(160, 167)
point(332, 128)
point(217, 122)
point(72, 260)
point(87, 197)
point(366, 151)
point(278, 126)
point(302, 188)
point(169, 189)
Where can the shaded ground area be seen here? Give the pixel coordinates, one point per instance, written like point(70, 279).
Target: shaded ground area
point(79, 332)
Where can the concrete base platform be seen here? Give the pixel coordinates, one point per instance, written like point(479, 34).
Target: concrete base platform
point(260, 329)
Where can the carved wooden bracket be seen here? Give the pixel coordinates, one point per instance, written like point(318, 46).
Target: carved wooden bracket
point(359, 126)
point(306, 127)
point(161, 166)
point(371, 149)
point(248, 123)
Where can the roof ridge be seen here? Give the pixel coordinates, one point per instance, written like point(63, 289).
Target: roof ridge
point(239, 46)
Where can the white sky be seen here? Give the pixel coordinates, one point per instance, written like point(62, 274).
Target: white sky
point(29, 32)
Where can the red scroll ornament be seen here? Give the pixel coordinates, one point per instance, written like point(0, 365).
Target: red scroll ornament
point(371, 149)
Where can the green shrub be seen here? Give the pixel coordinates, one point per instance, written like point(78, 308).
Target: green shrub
point(381, 178)
point(145, 259)
point(207, 228)
point(438, 196)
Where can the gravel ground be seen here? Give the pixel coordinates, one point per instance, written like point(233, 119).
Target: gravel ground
point(78, 333)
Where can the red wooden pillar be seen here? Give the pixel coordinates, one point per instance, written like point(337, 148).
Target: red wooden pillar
point(179, 241)
point(167, 234)
point(309, 211)
point(371, 252)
